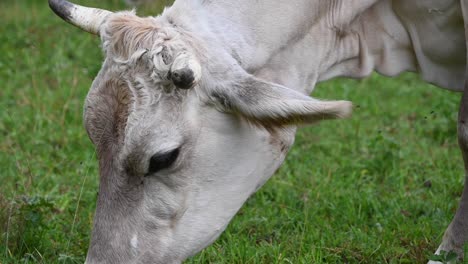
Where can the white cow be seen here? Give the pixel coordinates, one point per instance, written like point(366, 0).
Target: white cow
point(193, 110)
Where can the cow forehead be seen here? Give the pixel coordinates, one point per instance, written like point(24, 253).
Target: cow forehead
point(121, 109)
point(124, 33)
point(164, 113)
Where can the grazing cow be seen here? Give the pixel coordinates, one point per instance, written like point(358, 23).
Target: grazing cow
point(195, 109)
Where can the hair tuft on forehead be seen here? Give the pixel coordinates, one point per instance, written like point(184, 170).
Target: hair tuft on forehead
point(124, 33)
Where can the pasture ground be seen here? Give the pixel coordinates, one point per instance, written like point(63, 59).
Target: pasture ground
point(379, 187)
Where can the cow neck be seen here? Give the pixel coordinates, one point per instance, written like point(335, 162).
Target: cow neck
point(389, 38)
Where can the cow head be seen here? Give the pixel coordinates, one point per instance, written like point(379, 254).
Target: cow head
point(183, 134)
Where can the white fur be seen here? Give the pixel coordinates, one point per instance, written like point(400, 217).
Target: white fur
point(134, 242)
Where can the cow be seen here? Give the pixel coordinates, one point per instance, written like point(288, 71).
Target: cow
point(193, 110)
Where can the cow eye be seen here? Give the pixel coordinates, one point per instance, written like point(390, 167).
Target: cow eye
point(162, 161)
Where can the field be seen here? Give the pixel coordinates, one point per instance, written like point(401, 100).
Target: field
point(380, 187)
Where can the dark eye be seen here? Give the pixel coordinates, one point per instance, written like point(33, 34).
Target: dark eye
point(162, 161)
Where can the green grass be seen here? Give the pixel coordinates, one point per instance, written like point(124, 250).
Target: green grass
point(380, 187)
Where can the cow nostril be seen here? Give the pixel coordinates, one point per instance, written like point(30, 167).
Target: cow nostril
point(183, 78)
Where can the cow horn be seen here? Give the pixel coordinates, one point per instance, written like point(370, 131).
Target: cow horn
point(86, 18)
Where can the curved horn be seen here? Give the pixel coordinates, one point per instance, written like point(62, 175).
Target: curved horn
point(185, 71)
point(86, 18)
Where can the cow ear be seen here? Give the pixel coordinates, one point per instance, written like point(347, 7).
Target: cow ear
point(271, 104)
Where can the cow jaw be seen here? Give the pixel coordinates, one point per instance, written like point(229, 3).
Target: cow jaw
point(234, 159)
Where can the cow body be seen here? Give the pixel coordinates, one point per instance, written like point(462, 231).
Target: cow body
point(302, 42)
point(234, 77)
